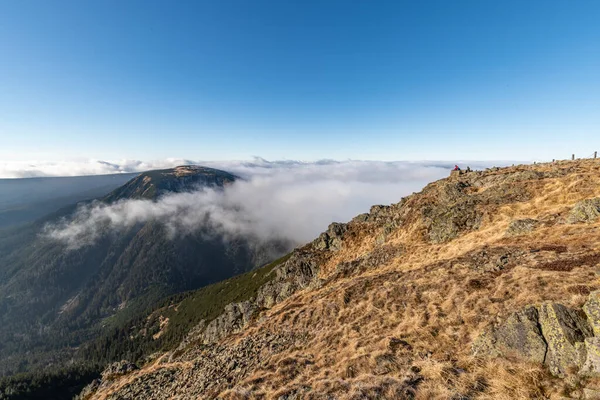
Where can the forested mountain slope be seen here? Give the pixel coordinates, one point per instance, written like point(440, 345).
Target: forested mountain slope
point(54, 299)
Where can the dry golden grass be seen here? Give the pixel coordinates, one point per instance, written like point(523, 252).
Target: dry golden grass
point(404, 329)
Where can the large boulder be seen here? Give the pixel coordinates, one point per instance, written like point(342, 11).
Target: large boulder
point(520, 334)
point(564, 330)
point(557, 336)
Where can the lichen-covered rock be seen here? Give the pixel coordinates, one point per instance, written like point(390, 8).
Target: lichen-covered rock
point(558, 336)
point(592, 310)
point(521, 226)
point(299, 272)
point(235, 317)
point(591, 364)
point(332, 238)
point(585, 211)
point(564, 331)
point(453, 212)
point(520, 334)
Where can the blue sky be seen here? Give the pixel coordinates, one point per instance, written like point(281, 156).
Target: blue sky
point(398, 80)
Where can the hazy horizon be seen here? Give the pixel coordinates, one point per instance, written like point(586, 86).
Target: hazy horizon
point(83, 168)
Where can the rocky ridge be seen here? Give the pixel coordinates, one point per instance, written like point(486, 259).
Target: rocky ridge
point(483, 285)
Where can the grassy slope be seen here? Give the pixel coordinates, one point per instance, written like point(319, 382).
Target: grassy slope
point(404, 328)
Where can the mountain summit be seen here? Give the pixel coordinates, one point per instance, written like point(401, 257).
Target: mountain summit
point(483, 285)
point(153, 184)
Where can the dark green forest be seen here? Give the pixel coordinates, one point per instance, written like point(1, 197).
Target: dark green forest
point(65, 313)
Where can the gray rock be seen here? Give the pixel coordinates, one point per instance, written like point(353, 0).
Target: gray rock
point(592, 310)
point(591, 365)
point(564, 331)
point(235, 317)
point(520, 334)
point(558, 336)
point(332, 239)
point(118, 368)
point(452, 212)
point(585, 211)
point(299, 272)
point(521, 226)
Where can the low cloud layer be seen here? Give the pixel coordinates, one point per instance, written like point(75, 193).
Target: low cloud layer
point(284, 200)
point(83, 167)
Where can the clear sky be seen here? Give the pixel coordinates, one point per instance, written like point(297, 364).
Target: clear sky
point(397, 80)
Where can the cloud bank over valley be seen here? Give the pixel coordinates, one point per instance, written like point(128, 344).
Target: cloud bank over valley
point(288, 200)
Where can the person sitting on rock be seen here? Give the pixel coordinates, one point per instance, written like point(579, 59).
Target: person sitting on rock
point(456, 168)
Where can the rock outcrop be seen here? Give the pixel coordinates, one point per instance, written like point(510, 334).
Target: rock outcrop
point(118, 368)
point(299, 271)
point(520, 333)
point(331, 239)
point(454, 211)
point(235, 317)
point(585, 211)
point(560, 337)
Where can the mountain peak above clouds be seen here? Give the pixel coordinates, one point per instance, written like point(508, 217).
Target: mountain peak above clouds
point(152, 184)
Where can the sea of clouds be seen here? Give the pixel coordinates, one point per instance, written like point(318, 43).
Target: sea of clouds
point(288, 200)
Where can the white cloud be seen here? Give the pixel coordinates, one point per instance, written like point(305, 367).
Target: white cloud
point(84, 167)
point(285, 199)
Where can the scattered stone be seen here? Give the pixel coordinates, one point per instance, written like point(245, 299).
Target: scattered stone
point(521, 226)
point(118, 368)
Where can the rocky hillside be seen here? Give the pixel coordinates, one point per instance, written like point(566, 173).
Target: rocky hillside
point(482, 286)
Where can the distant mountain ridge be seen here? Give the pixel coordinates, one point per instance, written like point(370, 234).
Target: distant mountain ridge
point(153, 184)
point(24, 200)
